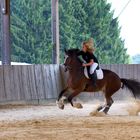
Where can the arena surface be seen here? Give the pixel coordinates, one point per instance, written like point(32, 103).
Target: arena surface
point(50, 123)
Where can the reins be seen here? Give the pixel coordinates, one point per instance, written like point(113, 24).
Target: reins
point(78, 66)
point(70, 68)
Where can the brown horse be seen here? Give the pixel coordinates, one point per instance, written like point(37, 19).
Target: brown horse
point(78, 83)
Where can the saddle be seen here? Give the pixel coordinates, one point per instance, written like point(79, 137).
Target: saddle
point(99, 73)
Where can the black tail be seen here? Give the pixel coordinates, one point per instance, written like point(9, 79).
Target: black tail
point(132, 85)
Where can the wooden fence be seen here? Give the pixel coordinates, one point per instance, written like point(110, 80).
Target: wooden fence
point(29, 82)
point(40, 82)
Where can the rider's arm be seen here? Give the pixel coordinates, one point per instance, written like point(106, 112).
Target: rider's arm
point(88, 64)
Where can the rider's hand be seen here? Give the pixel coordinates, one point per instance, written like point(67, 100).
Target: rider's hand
point(84, 65)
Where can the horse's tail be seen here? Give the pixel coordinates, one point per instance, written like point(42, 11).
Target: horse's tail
point(132, 85)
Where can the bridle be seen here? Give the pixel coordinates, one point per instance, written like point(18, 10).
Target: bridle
point(68, 67)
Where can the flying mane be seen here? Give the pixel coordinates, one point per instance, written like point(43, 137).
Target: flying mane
point(74, 52)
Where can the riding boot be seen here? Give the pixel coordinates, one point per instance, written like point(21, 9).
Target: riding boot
point(94, 78)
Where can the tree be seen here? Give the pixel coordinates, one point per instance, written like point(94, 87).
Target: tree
point(31, 31)
point(93, 18)
point(79, 20)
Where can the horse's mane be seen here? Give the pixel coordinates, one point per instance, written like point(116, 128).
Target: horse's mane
point(74, 52)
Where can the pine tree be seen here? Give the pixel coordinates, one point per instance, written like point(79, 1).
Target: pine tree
point(79, 20)
point(94, 19)
point(31, 31)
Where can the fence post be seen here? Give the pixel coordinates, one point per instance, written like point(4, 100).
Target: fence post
point(5, 24)
point(55, 31)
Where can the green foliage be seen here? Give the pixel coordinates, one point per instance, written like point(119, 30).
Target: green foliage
point(92, 18)
point(31, 31)
point(79, 20)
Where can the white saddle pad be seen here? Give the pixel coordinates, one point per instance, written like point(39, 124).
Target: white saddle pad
point(99, 72)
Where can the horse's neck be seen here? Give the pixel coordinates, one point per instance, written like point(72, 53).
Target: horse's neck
point(77, 72)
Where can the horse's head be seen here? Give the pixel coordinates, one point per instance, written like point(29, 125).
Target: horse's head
point(71, 58)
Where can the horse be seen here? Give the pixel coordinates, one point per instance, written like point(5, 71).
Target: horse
point(77, 83)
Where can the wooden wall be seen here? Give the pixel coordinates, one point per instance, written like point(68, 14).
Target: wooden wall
point(40, 82)
point(29, 82)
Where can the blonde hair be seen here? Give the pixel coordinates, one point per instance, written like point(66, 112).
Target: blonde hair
point(89, 44)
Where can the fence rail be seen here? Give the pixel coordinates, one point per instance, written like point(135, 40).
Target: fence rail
point(36, 82)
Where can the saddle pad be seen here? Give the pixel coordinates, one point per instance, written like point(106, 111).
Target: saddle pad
point(99, 73)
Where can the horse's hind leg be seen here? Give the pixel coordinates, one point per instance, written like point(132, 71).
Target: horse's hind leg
point(109, 102)
point(100, 107)
point(103, 106)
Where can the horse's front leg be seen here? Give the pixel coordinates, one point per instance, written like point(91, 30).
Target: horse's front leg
point(75, 93)
point(61, 93)
point(61, 98)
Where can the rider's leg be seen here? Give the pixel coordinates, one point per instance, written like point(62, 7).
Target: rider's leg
point(93, 74)
point(94, 78)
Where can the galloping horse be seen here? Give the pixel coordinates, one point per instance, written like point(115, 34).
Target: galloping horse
point(78, 83)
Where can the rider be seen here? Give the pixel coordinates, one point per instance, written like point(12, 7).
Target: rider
point(91, 61)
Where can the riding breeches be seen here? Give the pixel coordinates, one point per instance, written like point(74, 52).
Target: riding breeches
point(93, 68)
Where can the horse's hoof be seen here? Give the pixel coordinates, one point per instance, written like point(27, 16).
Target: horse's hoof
point(77, 105)
point(93, 113)
point(102, 114)
point(97, 114)
point(60, 105)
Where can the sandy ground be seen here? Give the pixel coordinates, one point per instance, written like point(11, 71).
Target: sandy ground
point(50, 123)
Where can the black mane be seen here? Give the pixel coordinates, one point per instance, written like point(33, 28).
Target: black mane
point(74, 52)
